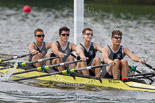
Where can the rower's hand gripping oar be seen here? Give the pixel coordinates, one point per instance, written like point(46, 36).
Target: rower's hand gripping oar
point(62, 72)
point(44, 67)
point(15, 57)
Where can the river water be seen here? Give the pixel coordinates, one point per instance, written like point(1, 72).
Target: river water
point(17, 32)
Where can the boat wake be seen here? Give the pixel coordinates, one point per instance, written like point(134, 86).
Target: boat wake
point(7, 75)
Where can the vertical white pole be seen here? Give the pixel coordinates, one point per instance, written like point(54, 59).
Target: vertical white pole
point(78, 20)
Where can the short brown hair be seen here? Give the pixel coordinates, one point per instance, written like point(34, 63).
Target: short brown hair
point(38, 30)
point(84, 30)
point(63, 29)
point(116, 32)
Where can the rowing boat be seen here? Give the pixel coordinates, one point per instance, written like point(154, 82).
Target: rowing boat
point(87, 81)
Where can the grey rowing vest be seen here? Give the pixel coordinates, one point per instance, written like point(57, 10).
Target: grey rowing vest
point(43, 49)
point(112, 56)
point(67, 50)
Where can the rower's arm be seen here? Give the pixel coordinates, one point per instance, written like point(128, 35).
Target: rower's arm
point(56, 51)
point(48, 45)
point(73, 47)
point(132, 56)
point(32, 49)
point(98, 47)
point(105, 55)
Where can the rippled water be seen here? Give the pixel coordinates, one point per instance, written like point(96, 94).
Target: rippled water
point(17, 32)
point(23, 93)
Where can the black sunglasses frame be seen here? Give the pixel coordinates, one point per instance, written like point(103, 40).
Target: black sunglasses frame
point(40, 35)
point(65, 34)
point(89, 34)
point(118, 37)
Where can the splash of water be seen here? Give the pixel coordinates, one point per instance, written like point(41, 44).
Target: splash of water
point(6, 76)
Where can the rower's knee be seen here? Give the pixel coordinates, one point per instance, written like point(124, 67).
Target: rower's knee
point(97, 59)
point(117, 61)
point(83, 64)
point(58, 60)
point(70, 58)
point(124, 62)
point(48, 55)
point(36, 57)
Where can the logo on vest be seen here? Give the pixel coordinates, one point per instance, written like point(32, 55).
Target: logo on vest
point(67, 52)
point(43, 52)
point(118, 56)
point(91, 52)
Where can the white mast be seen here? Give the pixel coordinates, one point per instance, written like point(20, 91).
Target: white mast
point(78, 20)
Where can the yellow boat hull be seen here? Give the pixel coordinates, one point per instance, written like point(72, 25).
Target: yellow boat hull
point(103, 82)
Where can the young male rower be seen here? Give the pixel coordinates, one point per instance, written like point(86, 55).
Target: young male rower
point(87, 52)
point(63, 49)
point(39, 47)
point(115, 52)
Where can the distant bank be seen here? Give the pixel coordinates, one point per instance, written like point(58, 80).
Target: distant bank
point(69, 3)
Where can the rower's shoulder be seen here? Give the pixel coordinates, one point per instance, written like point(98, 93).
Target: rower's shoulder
point(105, 47)
point(79, 46)
point(125, 48)
point(72, 44)
point(55, 43)
point(31, 44)
point(47, 43)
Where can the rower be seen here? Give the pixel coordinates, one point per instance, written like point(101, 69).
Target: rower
point(115, 53)
point(87, 52)
point(63, 49)
point(40, 48)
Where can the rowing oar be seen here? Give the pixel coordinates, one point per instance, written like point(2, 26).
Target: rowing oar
point(62, 72)
point(142, 74)
point(44, 67)
point(21, 64)
point(133, 68)
point(147, 76)
point(15, 57)
point(149, 66)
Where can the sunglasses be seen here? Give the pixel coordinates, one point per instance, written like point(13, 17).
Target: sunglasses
point(40, 35)
point(65, 34)
point(89, 34)
point(118, 37)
